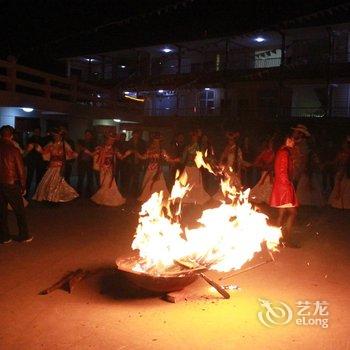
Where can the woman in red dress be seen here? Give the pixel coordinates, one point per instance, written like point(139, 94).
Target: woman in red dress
point(283, 196)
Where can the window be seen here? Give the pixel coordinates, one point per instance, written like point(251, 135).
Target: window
point(268, 58)
point(207, 101)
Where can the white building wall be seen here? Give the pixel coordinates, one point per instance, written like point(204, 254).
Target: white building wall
point(9, 120)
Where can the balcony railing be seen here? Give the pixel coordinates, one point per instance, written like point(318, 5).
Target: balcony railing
point(15, 78)
point(183, 112)
point(271, 112)
point(242, 62)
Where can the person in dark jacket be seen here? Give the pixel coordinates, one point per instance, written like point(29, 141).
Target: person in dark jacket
point(34, 160)
point(86, 148)
point(12, 187)
point(134, 164)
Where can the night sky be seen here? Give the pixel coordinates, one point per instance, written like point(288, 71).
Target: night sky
point(39, 31)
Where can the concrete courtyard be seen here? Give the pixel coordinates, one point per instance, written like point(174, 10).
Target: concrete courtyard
point(102, 314)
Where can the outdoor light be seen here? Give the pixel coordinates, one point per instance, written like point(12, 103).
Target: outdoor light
point(126, 92)
point(259, 39)
point(98, 96)
point(207, 89)
point(117, 120)
point(27, 109)
point(167, 50)
point(122, 66)
point(160, 91)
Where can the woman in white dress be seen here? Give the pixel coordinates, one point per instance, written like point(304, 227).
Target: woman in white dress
point(340, 196)
point(309, 188)
point(231, 163)
point(52, 187)
point(197, 193)
point(104, 161)
point(154, 180)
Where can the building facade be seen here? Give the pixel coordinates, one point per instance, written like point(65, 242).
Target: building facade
point(297, 73)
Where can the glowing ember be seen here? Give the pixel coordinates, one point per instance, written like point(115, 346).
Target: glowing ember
point(228, 236)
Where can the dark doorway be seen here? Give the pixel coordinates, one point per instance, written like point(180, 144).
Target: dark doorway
point(23, 126)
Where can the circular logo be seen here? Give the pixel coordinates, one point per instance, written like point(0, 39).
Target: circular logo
point(274, 314)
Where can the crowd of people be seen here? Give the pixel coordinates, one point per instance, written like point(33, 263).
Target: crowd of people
point(286, 170)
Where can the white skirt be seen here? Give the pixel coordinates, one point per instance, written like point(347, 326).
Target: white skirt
point(310, 193)
point(197, 193)
point(108, 194)
point(340, 196)
point(151, 185)
point(261, 192)
point(54, 188)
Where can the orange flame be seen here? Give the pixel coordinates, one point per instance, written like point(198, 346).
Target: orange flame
point(200, 162)
point(228, 236)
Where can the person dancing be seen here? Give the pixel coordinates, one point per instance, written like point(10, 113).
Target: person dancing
point(197, 193)
point(53, 187)
point(154, 180)
point(261, 192)
point(309, 188)
point(283, 196)
point(104, 161)
point(340, 196)
point(231, 163)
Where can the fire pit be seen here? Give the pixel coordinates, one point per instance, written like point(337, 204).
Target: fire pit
point(171, 256)
point(163, 283)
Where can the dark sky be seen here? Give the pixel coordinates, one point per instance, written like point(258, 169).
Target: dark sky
point(41, 30)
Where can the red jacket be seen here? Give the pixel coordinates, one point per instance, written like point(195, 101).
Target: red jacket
point(283, 192)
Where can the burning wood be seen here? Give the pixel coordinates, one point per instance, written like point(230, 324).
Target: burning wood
point(191, 265)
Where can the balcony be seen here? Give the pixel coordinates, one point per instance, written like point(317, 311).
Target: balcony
point(24, 86)
point(183, 112)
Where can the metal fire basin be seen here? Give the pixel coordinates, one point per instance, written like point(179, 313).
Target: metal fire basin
point(164, 283)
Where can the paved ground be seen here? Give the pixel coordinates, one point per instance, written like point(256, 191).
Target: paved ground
point(98, 316)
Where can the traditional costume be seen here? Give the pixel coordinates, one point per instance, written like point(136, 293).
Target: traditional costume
point(340, 196)
point(154, 180)
point(108, 193)
point(283, 194)
point(53, 187)
point(232, 161)
point(309, 189)
point(300, 153)
point(197, 193)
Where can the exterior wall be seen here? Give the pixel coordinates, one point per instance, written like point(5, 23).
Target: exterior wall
point(309, 100)
point(8, 115)
point(189, 102)
point(341, 100)
point(7, 121)
point(27, 121)
point(262, 92)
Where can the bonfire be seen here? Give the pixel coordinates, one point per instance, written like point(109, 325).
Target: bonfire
point(225, 238)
